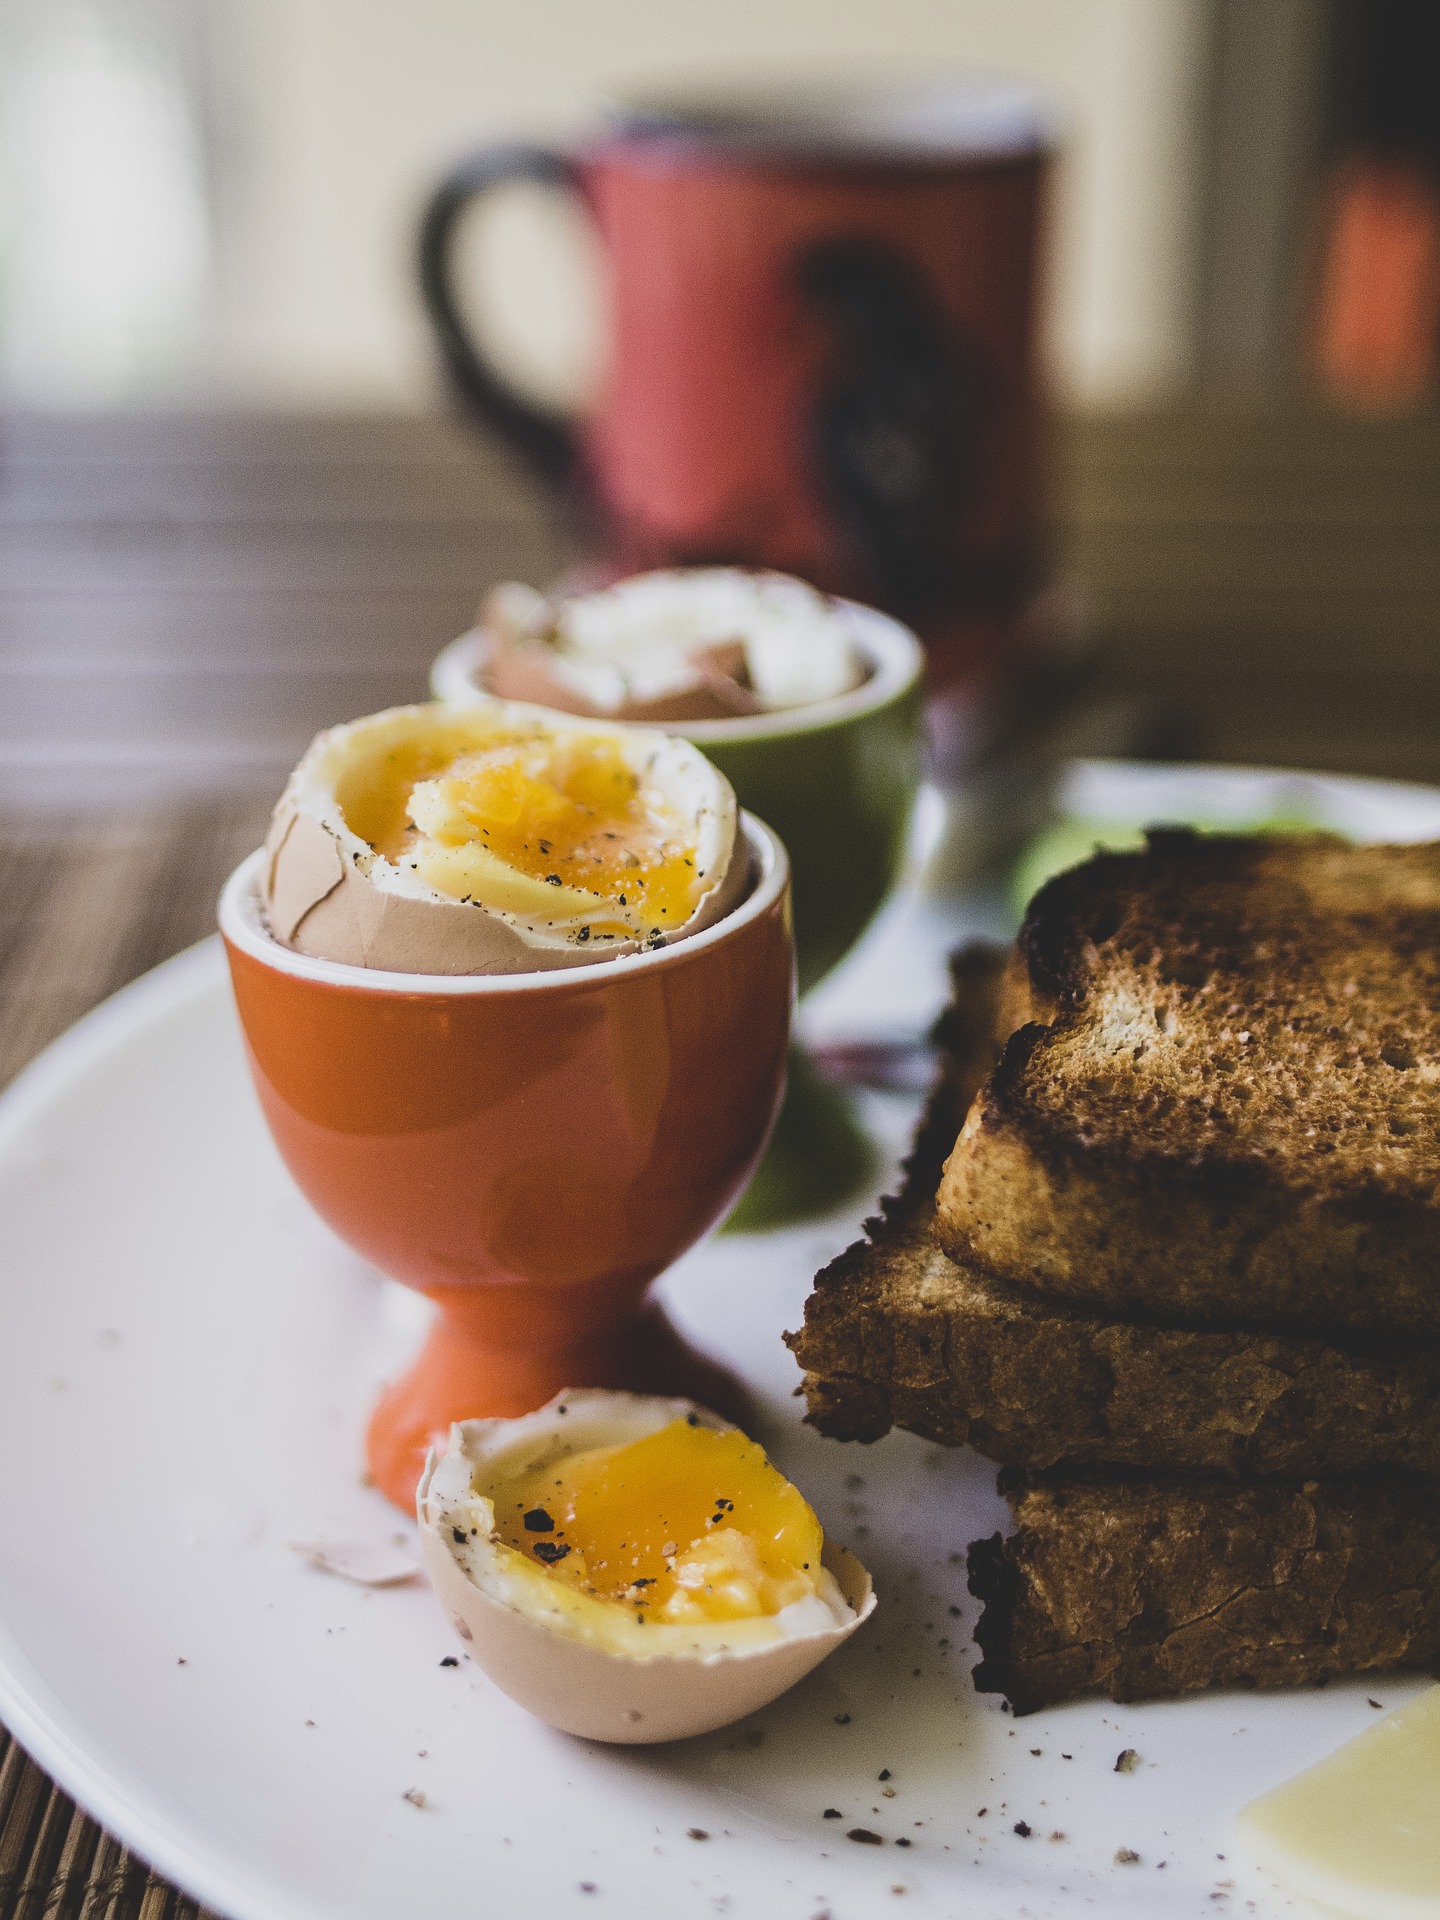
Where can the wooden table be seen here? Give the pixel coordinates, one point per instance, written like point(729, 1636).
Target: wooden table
point(183, 602)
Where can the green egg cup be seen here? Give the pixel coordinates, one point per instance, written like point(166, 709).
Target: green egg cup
point(837, 782)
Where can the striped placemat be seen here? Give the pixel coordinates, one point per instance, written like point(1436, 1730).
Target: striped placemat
point(86, 906)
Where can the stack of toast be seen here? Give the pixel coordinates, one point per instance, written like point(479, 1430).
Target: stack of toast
point(1169, 1249)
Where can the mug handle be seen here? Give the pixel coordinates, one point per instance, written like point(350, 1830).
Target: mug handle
point(547, 443)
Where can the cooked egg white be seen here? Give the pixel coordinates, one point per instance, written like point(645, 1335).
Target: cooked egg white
point(636, 645)
point(632, 1568)
point(498, 838)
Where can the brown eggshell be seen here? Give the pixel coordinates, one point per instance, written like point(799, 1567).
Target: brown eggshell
point(320, 899)
point(524, 671)
point(603, 1694)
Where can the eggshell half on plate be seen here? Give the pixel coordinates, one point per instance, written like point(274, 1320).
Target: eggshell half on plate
point(329, 894)
point(544, 1658)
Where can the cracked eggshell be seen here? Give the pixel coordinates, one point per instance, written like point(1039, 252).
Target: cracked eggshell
point(550, 1648)
point(673, 648)
point(327, 893)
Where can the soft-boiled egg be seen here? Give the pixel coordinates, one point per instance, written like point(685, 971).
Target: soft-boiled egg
point(632, 1568)
point(500, 838)
point(684, 644)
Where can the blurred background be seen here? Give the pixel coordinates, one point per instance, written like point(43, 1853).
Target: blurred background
point(238, 501)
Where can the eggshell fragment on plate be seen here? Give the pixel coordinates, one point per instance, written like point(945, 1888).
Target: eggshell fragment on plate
point(498, 838)
point(593, 1665)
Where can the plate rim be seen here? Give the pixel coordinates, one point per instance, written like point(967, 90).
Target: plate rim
point(92, 1782)
point(1222, 772)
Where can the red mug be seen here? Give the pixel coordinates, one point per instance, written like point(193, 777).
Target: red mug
point(823, 340)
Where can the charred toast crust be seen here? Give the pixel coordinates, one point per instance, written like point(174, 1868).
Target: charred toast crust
point(1147, 1587)
point(847, 1310)
point(967, 1040)
point(1228, 1108)
point(1086, 904)
point(897, 1334)
point(847, 1298)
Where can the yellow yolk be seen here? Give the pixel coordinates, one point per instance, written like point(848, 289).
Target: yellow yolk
point(686, 1525)
point(573, 815)
point(375, 795)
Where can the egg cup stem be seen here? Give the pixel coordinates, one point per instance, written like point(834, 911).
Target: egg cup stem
point(463, 1373)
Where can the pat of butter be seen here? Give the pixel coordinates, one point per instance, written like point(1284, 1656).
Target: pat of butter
point(1360, 1832)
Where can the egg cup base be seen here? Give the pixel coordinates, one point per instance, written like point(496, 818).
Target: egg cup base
point(459, 1375)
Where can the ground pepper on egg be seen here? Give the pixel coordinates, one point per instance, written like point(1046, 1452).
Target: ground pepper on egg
point(575, 817)
point(681, 1585)
point(687, 1524)
point(564, 841)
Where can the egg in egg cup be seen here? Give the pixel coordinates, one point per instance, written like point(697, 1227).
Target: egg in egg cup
point(528, 1149)
point(835, 775)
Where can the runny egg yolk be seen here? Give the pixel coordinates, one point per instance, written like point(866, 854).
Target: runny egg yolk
point(684, 1526)
point(570, 813)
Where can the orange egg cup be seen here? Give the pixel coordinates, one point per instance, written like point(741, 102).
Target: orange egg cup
point(528, 1150)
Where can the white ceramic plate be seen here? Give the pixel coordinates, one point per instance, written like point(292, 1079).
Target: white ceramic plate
point(186, 1356)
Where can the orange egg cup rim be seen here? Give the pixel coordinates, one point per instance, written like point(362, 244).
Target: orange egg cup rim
point(894, 654)
point(243, 925)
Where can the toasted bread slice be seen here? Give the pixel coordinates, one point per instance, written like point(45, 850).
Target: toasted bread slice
point(896, 1333)
point(1147, 1587)
point(1224, 1102)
